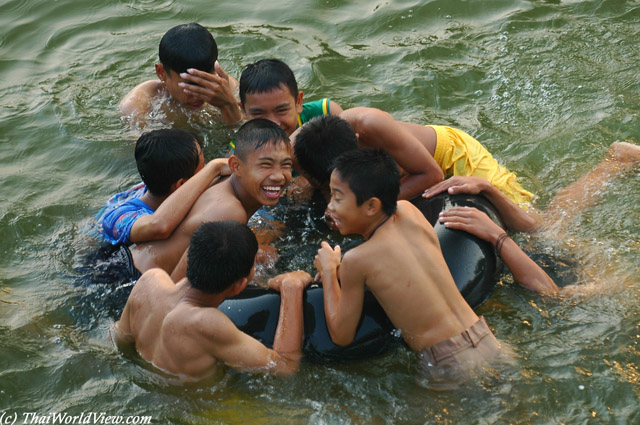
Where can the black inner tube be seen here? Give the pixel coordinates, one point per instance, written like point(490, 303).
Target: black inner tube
point(473, 264)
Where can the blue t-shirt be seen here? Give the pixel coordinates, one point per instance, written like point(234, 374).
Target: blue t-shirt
point(117, 216)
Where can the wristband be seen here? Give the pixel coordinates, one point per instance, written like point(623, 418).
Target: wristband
point(500, 242)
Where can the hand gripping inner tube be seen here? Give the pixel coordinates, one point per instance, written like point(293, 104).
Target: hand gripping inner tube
point(473, 264)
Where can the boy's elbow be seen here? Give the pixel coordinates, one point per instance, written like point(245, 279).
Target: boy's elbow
point(159, 229)
point(340, 338)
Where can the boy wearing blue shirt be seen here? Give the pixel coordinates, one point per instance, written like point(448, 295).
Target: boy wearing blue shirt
point(166, 159)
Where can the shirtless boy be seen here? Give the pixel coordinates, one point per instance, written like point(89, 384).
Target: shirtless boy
point(166, 160)
point(402, 264)
point(189, 79)
point(178, 328)
point(260, 172)
point(425, 154)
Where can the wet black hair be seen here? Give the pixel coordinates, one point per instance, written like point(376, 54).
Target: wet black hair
point(370, 173)
point(319, 142)
point(220, 254)
point(165, 156)
point(266, 75)
point(188, 46)
point(255, 134)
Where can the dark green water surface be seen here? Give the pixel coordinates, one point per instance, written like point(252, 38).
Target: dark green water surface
point(547, 86)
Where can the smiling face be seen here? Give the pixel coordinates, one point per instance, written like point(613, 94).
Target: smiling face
point(265, 173)
point(277, 105)
point(171, 81)
point(343, 211)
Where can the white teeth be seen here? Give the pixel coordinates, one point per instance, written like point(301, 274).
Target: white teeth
point(272, 188)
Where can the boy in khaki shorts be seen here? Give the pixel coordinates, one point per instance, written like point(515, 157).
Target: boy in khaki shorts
point(402, 265)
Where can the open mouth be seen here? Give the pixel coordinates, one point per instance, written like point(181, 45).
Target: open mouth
point(272, 192)
point(332, 221)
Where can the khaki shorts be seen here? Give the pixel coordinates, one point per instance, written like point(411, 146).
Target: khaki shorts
point(448, 363)
point(459, 154)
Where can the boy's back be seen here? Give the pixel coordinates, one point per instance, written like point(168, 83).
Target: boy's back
point(403, 266)
point(166, 331)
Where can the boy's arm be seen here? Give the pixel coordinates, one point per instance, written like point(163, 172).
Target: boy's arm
point(217, 89)
point(343, 287)
point(334, 108)
point(524, 270)
point(136, 104)
point(378, 129)
point(241, 351)
point(515, 218)
point(162, 223)
point(121, 330)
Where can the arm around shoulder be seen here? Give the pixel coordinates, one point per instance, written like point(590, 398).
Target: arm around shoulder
point(161, 224)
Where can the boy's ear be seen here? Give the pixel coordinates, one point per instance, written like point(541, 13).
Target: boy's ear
point(244, 113)
point(234, 164)
point(373, 206)
point(160, 72)
point(238, 286)
point(176, 185)
point(299, 102)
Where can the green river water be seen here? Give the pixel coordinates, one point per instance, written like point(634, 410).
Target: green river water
point(547, 86)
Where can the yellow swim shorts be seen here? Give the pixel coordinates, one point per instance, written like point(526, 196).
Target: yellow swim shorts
point(459, 154)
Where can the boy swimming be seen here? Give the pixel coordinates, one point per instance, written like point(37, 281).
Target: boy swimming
point(425, 154)
point(178, 328)
point(402, 264)
point(189, 79)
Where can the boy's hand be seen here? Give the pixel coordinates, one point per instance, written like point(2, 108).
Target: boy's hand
point(328, 259)
point(473, 221)
point(458, 184)
point(222, 164)
point(299, 279)
point(214, 89)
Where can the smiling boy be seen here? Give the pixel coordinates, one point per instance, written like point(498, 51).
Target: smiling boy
point(189, 79)
point(268, 89)
point(260, 172)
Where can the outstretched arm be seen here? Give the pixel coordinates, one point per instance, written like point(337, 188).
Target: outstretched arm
point(217, 89)
point(343, 294)
point(514, 217)
point(378, 129)
point(162, 223)
point(524, 270)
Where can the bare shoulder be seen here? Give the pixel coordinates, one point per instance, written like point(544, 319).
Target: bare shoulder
point(151, 281)
point(210, 323)
point(218, 203)
point(361, 257)
point(138, 98)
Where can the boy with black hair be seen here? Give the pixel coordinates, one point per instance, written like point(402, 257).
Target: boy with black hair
point(268, 89)
point(189, 76)
point(178, 327)
point(424, 153)
point(402, 264)
point(260, 172)
point(171, 165)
